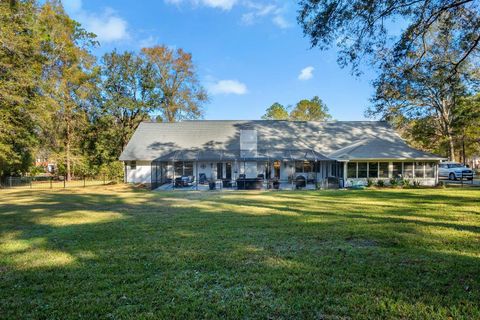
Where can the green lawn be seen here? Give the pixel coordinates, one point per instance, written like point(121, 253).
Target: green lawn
point(113, 252)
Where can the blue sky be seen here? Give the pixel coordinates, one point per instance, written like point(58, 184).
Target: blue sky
point(249, 54)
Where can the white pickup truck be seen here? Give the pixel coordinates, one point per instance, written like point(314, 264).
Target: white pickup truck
point(455, 170)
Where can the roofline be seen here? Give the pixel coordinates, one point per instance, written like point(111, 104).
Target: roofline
point(388, 159)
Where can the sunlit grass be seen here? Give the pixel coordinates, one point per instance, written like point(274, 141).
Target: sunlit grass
point(116, 252)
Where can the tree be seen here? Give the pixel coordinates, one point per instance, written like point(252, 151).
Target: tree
point(468, 126)
point(127, 99)
point(69, 83)
point(177, 90)
point(310, 110)
point(276, 112)
point(20, 71)
point(425, 91)
point(360, 28)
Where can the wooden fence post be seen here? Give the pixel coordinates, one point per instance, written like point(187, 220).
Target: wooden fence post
point(51, 184)
point(64, 182)
point(31, 182)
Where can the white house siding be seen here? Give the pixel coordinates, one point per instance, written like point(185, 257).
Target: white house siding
point(141, 174)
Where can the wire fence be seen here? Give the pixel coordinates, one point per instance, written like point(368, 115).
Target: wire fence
point(46, 182)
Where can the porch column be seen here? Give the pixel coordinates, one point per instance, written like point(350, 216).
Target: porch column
point(345, 173)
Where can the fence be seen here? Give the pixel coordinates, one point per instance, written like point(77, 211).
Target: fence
point(53, 182)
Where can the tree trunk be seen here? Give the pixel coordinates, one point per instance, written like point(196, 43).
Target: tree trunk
point(451, 147)
point(67, 152)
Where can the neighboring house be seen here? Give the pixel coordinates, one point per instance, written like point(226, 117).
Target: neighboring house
point(352, 151)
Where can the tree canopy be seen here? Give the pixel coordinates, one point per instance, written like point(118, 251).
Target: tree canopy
point(276, 112)
point(362, 29)
point(57, 101)
point(305, 110)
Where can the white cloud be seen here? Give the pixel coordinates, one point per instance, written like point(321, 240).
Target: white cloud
point(221, 4)
point(254, 10)
point(306, 73)
point(227, 87)
point(281, 22)
point(148, 42)
point(259, 11)
point(107, 25)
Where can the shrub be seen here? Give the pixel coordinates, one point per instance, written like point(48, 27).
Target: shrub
point(416, 184)
point(394, 182)
point(370, 182)
point(380, 183)
point(405, 183)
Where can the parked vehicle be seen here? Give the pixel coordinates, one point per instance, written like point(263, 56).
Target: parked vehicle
point(455, 170)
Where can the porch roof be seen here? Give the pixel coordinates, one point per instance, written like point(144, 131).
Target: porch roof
point(228, 155)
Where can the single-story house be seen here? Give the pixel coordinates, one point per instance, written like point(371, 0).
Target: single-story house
point(284, 151)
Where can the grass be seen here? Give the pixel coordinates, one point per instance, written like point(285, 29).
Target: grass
point(114, 252)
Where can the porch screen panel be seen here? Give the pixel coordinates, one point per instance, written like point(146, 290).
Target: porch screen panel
point(408, 169)
point(351, 170)
point(178, 167)
point(373, 169)
point(419, 168)
point(383, 170)
point(429, 170)
point(362, 169)
point(397, 169)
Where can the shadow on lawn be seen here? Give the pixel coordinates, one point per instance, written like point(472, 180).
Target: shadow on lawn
point(275, 255)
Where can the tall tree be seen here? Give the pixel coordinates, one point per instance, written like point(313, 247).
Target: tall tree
point(360, 28)
point(425, 91)
point(20, 71)
point(177, 89)
point(310, 110)
point(276, 112)
point(127, 98)
point(69, 81)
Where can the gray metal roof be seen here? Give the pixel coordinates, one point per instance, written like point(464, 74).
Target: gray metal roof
point(343, 140)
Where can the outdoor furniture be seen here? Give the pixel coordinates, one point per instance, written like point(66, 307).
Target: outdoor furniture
point(227, 183)
point(250, 184)
point(300, 182)
point(202, 178)
point(184, 181)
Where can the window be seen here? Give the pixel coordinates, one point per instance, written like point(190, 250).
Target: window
point(276, 169)
point(351, 170)
point(228, 169)
point(188, 168)
point(303, 166)
point(383, 170)
point(308, 166)
point(429, 170)
point(444, 166)
point(183, 168)
point(373, 169)
point(178, 166)
point(397, 169)
point(408, 169)
point(298, 166)
point(133, 165)
point(362, 169)
point(219, 170)
point(419, 166)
